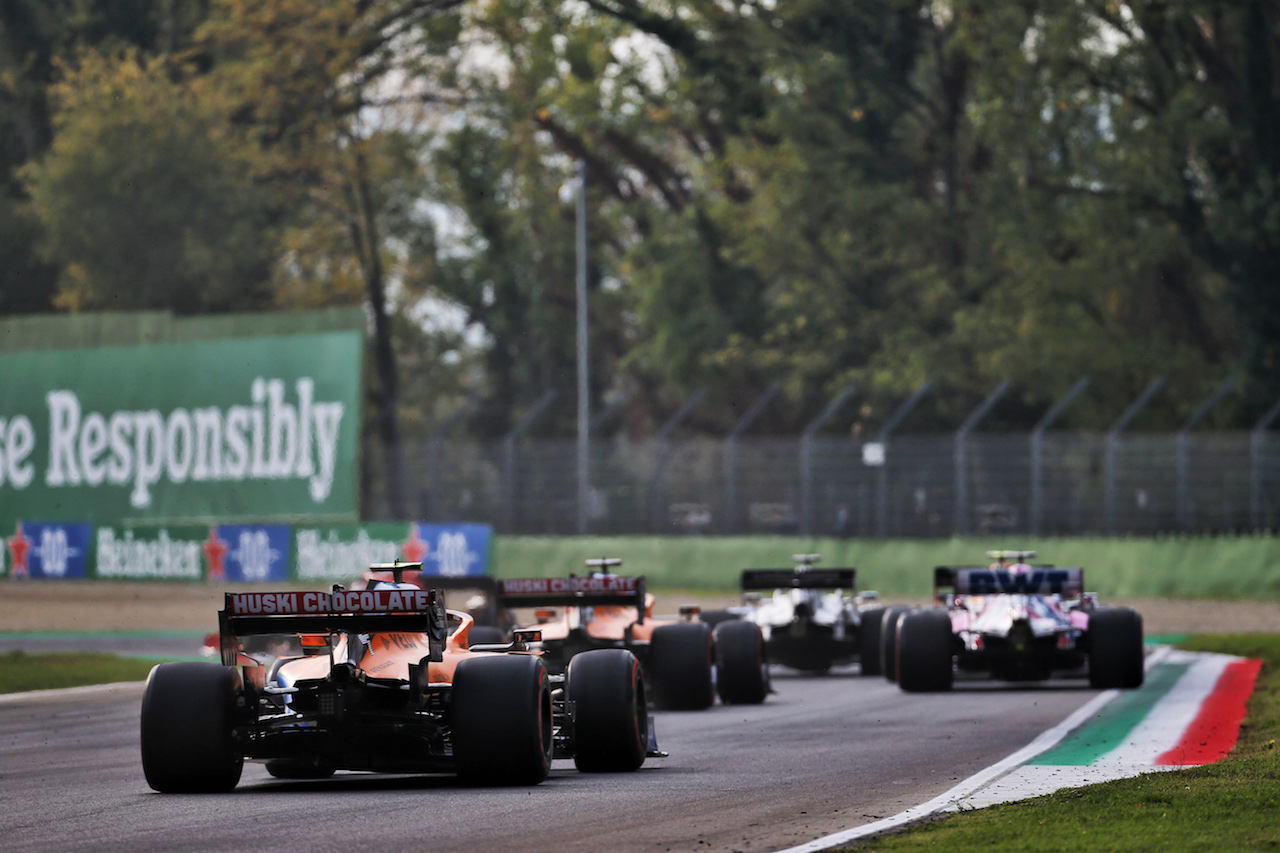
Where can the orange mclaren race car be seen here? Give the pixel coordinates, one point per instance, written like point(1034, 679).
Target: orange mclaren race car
point(686, 662)
point(383, 679)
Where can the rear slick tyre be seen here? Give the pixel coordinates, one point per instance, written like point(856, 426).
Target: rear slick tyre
point(500, 720)
point(1115, 649)
point(187, 715)
point(924, 652)
point(742, 675)
point(610, 714)
point(679, 667)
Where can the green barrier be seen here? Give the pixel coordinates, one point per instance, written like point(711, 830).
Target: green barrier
point(1181, 567)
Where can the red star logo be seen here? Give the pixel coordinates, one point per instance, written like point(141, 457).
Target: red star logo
point(19, 548)
point(415, 549)
point(215, 549)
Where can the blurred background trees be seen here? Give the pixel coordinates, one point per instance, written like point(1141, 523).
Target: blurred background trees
point(804, 194)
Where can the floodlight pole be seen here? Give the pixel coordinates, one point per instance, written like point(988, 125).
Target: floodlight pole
point(584, 383)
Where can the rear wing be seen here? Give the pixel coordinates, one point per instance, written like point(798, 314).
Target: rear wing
point(1037, 580)
point(368, 611)
point(574, 591)
point(801, 578)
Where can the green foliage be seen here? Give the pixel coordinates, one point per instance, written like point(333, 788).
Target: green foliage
point(141, 204)
point(804, 194)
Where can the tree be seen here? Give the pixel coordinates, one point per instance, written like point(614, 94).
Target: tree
point(143, 204)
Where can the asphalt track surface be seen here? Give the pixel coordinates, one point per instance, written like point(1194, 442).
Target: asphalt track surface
point(821, 755)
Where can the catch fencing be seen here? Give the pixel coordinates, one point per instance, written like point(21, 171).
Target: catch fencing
point(1043, 483)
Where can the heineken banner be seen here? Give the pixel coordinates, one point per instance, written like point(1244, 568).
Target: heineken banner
point(343, 551)
point(253, 429)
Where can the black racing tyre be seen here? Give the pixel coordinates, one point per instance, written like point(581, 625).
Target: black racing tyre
point(924, 651)
point(500, 720)
point(188, 710)
point(1115, 648)
point(869, 641)
point(679, 667)
point(486, 635)
point(715, 617)
point(742, 673)
point(889, 641)
point(294, 768)
point(610, 711)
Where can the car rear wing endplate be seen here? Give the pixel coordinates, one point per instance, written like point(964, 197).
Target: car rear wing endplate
point(979, 580)
point(574, 591)
point(381, 611)
point(799, 578)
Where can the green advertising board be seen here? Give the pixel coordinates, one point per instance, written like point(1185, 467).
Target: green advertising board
point(261, 429)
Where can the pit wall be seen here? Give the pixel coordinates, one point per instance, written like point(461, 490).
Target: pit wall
point(1180, 567)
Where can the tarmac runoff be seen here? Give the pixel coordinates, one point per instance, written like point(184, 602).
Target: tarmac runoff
point(1188, 712)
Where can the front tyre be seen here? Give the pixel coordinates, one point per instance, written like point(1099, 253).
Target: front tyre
point(188, 711)
point(679, 667)
point(610, 713)
point(500, 720)
point(742, 674)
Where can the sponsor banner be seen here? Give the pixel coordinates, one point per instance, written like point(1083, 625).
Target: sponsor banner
point(248, 553)
point(151, 553)
point(48, 549)
point(268, 432)
point(345, 551)
point(451, 550)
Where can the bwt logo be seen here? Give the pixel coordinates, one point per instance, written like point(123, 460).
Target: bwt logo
point(1035, 582)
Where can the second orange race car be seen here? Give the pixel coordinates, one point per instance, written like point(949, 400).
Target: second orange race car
point(686, 661)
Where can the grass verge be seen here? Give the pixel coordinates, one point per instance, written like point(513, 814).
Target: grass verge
point(1231, 805)
point(21, 671)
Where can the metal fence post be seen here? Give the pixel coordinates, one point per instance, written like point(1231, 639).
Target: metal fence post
point(509, 458)
point(660, 456)
point(1113, 442)
point(1037, 446)
point(731, 457)
point(961, 525)
point(882, 481)
point(1256, 436)
point(806, 452)
point(1183, 444)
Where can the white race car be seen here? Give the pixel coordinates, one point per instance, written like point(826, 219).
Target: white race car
point(814, 619)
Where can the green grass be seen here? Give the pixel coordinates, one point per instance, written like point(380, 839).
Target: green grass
point(1231, 805)
point(20, 671)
